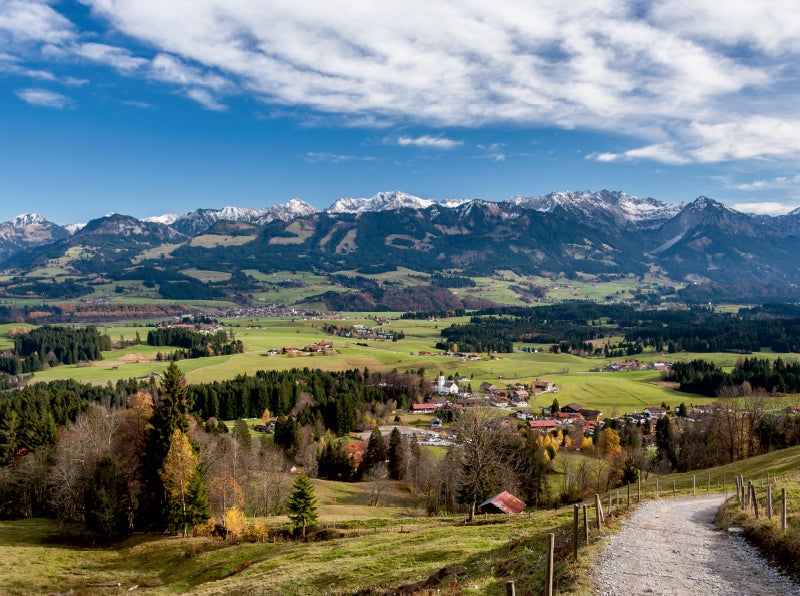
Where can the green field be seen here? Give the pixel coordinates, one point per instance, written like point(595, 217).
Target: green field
point(575, 377)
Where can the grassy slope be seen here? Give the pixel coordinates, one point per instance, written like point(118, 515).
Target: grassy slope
point(385, 548)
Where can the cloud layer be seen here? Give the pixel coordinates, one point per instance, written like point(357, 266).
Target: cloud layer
point(689, 82)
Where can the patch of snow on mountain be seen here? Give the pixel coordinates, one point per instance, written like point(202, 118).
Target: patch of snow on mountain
point(27, 219)
point(74, 227)
point(383, 201)
point(166, 219)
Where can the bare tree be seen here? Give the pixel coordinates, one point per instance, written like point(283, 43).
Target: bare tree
point(477, 447)
point(269, 484)
point(377, 478)
point(77, 450)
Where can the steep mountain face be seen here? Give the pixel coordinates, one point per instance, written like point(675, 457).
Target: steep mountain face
point(600, 233)
point(478, 238)
point(288, 211)
point(105, 243)
point(27, 231)
point(705, 212)
point(198, 221)
point(604, 207)
point(125, 226)
point(708, 242)
point(388, 201)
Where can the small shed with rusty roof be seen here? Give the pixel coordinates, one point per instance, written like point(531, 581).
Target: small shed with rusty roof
point(503, 502)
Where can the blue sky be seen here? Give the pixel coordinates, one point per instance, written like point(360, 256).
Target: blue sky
point(148, 107)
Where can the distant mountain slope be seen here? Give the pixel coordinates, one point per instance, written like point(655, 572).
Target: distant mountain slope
point(27, 231)
point(607, 234)
point(605, 207)
point(198, 221)
point(104, 244)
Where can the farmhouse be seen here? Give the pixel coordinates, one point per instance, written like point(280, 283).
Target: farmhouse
point(573, 408)
point(542, 425)
point(655, 412)
point(423, 408)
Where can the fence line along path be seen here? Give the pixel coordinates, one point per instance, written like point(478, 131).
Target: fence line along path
point(674, 547)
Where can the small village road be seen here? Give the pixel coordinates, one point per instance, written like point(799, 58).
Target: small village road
point(673, 547)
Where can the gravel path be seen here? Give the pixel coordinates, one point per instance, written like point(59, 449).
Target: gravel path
point(674, 547)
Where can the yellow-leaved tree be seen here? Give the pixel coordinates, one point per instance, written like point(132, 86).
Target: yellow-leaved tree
point(177, 471)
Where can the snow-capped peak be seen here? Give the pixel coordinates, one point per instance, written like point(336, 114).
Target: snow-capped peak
point(291, 209)
point(27, 219)
point(382, 201)
point(166, 219)
point(621, 206)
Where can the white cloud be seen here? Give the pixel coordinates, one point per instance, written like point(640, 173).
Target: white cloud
point(315, 157)
point(27, 21)
point(663, 153)
point(688, 81)
point(428, 141)
point(764, 208)
point(43, 97)
point(777, 183)
point(205, 99)
point(119, 58)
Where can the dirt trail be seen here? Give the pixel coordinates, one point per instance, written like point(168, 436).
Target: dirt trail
point(674, 547)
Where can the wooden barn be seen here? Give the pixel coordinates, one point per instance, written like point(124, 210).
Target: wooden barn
point(503, 502)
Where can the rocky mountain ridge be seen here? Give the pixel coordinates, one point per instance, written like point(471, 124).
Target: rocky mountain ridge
point(602, 234)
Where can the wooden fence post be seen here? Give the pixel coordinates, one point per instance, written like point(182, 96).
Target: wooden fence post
point(783, 509)
point(585, 525)
point(551, 547)
point(510, 591)
point(708, 484)
point(575, 525)
point(674, 493)
point(769, 501)
point(629, 494)
point(694, 484)
point(657, 488)
point(609, 503)
point(598, 508)
point(754, 499)
point(639, 490)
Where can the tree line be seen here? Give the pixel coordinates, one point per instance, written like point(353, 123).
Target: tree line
point(194, 343)
point(570, 327)
point(48, 346)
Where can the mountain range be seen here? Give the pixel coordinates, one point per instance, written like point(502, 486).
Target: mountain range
point(604, 234)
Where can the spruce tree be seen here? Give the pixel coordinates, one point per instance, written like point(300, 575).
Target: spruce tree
point(105, 495)
point(397, 455)
point(302, 504)
point(170, 414)
point(375, 454)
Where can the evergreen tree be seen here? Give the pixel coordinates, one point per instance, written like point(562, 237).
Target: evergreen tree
point(397, 455)
point(375, 454)
point(286, 436)
point(105, 498)
point(665, 441)
point(302, 504)
point(169, 415)
point(198, 510)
